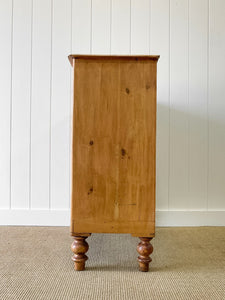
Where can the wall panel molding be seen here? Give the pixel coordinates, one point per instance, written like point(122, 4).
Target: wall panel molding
point(36, 101)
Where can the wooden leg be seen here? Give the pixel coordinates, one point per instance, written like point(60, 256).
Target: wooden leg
point(79, 248)
point(144, 248)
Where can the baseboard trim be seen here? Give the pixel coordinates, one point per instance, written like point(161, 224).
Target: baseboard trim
point(62, 218)
point(190, 218)
point(33, 217)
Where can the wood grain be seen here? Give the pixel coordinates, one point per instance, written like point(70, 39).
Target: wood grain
point(79, 248)
point(144, 249)
point(113, 186)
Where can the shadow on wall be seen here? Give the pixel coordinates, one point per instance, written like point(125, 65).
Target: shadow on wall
point(190, 167)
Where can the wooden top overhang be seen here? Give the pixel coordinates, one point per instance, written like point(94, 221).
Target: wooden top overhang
point(126, 57)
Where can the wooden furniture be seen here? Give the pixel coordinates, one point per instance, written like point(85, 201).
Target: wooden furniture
point(114, 142)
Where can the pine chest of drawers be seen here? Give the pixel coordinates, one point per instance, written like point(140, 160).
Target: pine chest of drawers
point(114, 149)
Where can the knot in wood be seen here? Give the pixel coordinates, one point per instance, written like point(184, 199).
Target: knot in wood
point(123, 152)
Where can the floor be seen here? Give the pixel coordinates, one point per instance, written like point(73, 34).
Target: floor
point(187, 263)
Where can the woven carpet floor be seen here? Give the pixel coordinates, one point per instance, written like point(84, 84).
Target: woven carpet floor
point(188, 263)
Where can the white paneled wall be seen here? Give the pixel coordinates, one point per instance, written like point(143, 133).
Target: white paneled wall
point(36, 105)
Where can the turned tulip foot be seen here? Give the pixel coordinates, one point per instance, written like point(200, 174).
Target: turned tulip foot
point(79, 248)
point(144, 248)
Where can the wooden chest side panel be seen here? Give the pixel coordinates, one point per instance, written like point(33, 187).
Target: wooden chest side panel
point(113, 187)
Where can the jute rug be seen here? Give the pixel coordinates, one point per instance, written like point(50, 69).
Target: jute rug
point(188, 263)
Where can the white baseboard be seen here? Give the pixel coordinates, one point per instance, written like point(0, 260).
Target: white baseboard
point(33, 217)
point(190, 218)
point(62, 218)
